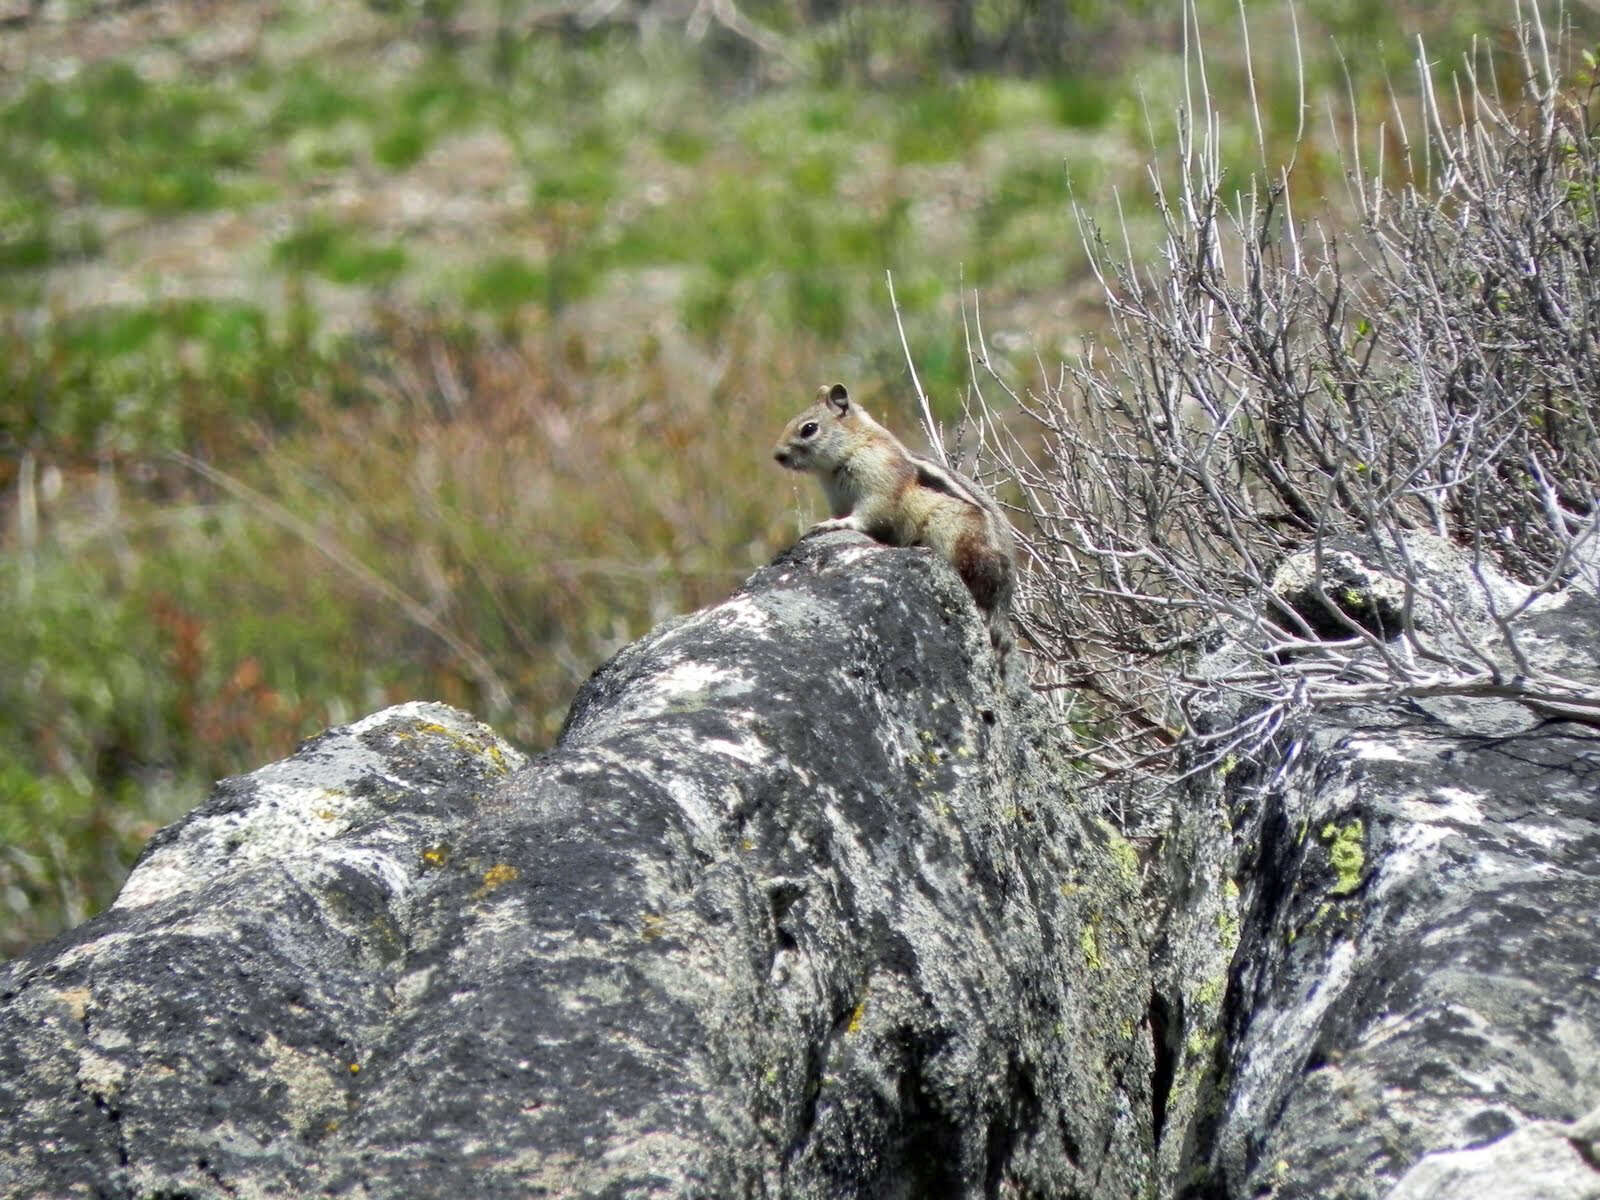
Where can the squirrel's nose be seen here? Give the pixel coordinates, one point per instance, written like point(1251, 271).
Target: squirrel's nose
point(781, 455)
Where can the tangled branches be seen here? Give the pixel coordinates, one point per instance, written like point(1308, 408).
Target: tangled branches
point(1288, 436)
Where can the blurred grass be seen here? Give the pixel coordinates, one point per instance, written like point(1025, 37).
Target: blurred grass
point(482, 332)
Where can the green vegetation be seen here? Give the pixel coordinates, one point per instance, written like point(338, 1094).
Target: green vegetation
point(109, 136)
point(1346, 854)
point(339, 254)
point(398, 351)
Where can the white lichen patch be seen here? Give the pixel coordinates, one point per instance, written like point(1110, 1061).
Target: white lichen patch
point(600, 991)
point(751, 751)
point(1374, 749)
point(697, 678)
point(1546, 837)
point(106, 944)
point(325, 865)
point(1458, 804)
point(696, 807)
point(99, 1074)
point(112, 1037)
point(541, 1172)
point(300, 803)
point(1534, 1162)
point(742, 612)
point(314, 1084)
point(1429, 820)
point(1297, 1026)
point(411, 987)
point(285, 817)
point(1413, 854)
point(687, 684)
point(1300, 573)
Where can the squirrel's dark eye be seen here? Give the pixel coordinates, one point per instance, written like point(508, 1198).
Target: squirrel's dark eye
point(809, 429)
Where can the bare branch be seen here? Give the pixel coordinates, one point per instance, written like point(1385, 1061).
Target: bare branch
point(1305, 471)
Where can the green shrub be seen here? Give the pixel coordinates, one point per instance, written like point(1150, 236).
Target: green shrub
point(122, 141)
point(339, 254)
point(504, 283)
point(944, 123)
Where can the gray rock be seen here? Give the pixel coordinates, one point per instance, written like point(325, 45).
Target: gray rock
point(807, 902)
point(1414, 980)
point(793, 908)
point(1543, 1160)
point(1384, 585)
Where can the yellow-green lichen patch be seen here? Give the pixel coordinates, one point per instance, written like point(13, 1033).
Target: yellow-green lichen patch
point(1121, 850)
point(436, 855)
point(1228, 930)
point(1326, 915)
point(1346, 854)
point(1208, 996)
point(857, 1015)
point(1126, 858)
point(495, 877)
point(1201, 1047)
point(476, 747)
point(1089, 942)
point(1228, 916)
point(385, 938)
point(1205, 1039)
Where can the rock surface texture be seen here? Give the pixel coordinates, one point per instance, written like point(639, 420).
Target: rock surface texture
point(1412, 1007)
point(806, 903)
point(791, 909)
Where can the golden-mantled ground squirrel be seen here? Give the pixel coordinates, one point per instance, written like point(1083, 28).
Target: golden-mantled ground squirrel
point(877, 487)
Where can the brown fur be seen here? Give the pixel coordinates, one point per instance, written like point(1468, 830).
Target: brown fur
point(878, 487)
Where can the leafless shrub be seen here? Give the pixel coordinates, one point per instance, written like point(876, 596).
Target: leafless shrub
point(1269, 391)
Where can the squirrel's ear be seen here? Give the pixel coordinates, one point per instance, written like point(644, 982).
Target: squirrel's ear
point(839, 398)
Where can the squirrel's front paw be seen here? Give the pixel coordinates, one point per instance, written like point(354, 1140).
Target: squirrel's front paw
point(834, 523)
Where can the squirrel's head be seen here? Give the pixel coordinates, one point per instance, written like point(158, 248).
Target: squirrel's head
point(814, 439)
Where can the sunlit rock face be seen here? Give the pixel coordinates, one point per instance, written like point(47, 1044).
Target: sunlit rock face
point(809, 901)
point(1418, 906)
point(793, 908)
